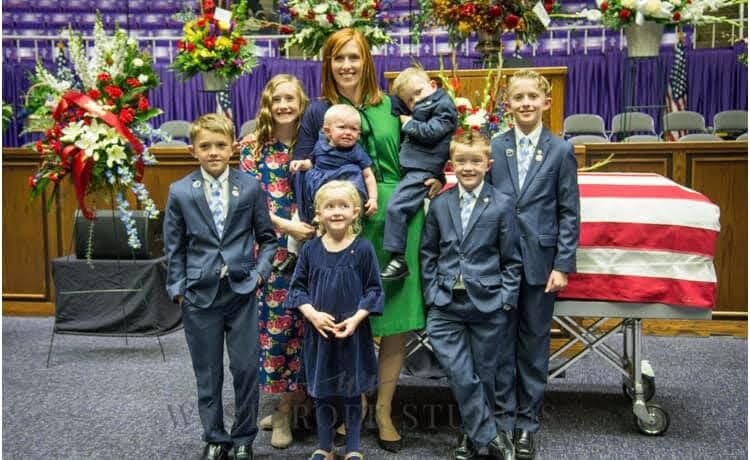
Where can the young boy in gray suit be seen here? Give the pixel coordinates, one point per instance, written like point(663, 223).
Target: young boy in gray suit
point(468, 239)
point(214, 218)
point(538, 170)
point(424, 151)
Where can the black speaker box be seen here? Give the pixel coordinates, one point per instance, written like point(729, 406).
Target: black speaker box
point(110, 239)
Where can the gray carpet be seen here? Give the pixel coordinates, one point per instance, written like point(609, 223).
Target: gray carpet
point(101, 398)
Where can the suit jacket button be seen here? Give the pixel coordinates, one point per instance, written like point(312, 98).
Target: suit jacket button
point(518, 210)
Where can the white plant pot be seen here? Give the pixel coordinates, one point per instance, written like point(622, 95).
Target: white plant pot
point(645, 40)
point(213, 82)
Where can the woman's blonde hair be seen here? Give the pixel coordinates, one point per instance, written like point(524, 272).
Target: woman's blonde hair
point(351, 193)
point(368, 82)
point(264, 118)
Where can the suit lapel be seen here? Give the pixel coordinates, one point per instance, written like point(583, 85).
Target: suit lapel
point(454, 210)
point(234, 197)
point(509, 142)
point(536, 161)
point(199, 196)
point(479, 207)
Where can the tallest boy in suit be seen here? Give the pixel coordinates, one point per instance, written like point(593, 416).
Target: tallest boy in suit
point(538, 170)
point(214, 218)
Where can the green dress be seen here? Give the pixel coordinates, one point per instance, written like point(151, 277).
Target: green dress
point(404, 310)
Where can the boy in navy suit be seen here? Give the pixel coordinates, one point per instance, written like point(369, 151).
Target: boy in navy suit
point(214, 218)
point(538, 170)
point(468, 238)
point(424, 151)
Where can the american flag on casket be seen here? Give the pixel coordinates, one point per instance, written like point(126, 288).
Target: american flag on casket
point(644, 239)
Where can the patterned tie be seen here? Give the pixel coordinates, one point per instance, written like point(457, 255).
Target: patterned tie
point(216, 206)
point(524, 160)
point(466, 208)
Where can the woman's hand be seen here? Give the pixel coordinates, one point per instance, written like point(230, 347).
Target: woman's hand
point(300, 231)
point(321, 321)
point(434, 185)
point(371, 206)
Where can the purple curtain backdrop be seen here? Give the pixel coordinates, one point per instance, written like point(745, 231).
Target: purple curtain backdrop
point(596, 82)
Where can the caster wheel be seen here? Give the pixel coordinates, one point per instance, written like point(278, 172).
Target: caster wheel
point(649, 388)
point(660, 422)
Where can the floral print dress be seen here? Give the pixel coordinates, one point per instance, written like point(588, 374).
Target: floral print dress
point(280, 330)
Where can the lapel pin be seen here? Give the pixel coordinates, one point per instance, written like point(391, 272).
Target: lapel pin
point(538, 156)
point(508, 153)
point(235, 191)
point(196, 183)
point(486, 199)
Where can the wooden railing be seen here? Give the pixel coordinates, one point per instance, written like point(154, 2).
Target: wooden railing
point(33, 234)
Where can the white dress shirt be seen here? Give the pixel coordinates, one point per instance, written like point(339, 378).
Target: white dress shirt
point(461, 191)
point(224, 182)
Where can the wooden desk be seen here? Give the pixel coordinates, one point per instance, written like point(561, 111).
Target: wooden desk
point(472, 81)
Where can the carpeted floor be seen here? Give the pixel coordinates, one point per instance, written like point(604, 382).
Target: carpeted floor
point(101, 398)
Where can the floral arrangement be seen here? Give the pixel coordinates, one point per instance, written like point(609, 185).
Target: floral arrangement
point(616, 14)
point(212, 44)
point(462, 17)
point(487, 115)
point(311, 22)
point(95, 123)
point(7, 115)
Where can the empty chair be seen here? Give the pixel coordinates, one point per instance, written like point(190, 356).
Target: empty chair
point(170, 144)
point(742, 137)
point(642, 138)
point(247, 128)
point(629, 123)
point(587, 139)
point(685, 120)
point(177, 129)
point(730, 122)
point(699, 137)
point(583, 123)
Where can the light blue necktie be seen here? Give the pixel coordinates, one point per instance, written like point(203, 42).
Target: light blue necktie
point(216, 206)
point(524, 160)
point(466, 208)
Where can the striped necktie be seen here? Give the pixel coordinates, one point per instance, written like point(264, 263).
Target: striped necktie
point(466, 208)
point(524, 160)
point(217, 206)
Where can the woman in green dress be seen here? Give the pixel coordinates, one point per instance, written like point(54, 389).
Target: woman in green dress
point(348, 77)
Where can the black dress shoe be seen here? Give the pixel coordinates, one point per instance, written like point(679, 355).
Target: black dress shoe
point(287, 265)
point(465, 449)
point(525, 444)
point(244, 452)
point(215, 451)
point(395, 270)
point(501, 447)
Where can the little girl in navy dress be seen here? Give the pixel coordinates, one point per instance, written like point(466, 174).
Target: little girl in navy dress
point(336, 286)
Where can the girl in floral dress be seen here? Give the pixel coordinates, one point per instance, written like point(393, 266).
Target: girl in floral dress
point(265, 154)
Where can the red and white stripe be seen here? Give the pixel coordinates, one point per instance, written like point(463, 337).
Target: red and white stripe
point(644, 239)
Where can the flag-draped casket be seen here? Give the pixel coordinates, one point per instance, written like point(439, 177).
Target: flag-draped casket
point(644, 239)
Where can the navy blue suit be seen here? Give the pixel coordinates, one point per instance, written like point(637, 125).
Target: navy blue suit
point(214, 307)
point(548, 214)
point(423, 154)
point(464, 324)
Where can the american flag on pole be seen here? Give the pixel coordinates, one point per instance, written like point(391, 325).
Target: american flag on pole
point(677, 87)
point(62, 65)
point(224, 103)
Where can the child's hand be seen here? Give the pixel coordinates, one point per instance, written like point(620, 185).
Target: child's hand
point(434, 186)
point(347, 327)
point(299, 165)
point(323, 322)
point(371, 206)
point(557, 281)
